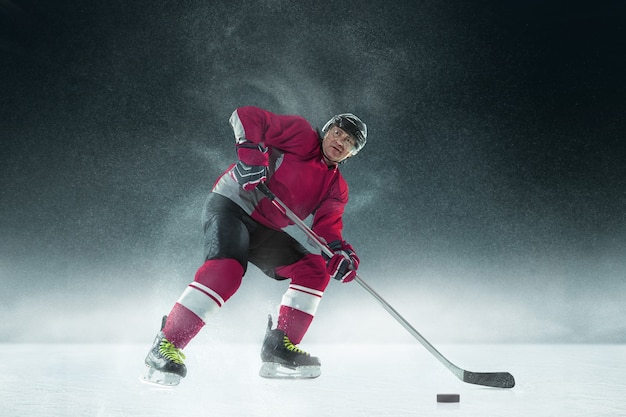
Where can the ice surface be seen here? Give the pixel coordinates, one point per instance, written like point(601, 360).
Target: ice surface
point(55, 380)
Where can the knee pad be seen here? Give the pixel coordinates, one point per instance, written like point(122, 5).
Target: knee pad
point(309, 272)
point(222, 276)
point(215, 282)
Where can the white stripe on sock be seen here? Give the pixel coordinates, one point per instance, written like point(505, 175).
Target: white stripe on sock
point(202, 303)
point(302, 298)
point(209, 292)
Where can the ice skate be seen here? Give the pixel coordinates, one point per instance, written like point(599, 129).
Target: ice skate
point(283, 359)
point(164, 362)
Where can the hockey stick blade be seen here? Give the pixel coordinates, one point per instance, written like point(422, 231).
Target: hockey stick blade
point(489, 379)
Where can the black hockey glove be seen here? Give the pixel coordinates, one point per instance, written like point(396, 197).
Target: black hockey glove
point(251, 169)
point(343, 265)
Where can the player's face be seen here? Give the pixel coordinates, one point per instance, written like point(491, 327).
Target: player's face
point(337, 145)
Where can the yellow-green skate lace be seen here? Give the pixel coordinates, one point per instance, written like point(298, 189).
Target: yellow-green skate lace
point(290, 346)
point(171, 352)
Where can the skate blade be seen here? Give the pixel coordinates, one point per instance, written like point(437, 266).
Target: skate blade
point(162, 379)
point(274, 370)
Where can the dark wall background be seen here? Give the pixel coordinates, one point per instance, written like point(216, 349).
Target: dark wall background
point(488, 204)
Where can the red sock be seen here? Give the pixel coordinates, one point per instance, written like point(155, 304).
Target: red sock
point(294, 323)
point(181, 326)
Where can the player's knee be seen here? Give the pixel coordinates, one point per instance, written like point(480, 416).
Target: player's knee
point(223, 276)
point(310, 272)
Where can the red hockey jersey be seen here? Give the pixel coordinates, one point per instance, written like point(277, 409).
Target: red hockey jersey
point(297, 173)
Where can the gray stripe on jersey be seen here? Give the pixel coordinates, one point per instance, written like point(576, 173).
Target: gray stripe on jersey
point(240, 133)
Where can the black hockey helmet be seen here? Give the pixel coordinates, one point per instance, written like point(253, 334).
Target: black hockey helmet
point(352, 125)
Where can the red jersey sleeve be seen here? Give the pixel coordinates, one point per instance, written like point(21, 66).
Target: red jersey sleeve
point(291, 134)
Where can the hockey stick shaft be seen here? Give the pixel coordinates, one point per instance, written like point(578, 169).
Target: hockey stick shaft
point(493, 379)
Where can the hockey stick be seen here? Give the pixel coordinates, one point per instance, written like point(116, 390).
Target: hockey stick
point(489, 379)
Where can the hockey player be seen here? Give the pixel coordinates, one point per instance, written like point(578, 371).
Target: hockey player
point(300, 166)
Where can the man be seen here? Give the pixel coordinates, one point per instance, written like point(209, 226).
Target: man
point(299, 166)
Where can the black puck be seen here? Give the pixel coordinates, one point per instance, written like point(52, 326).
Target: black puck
point(448, 398)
